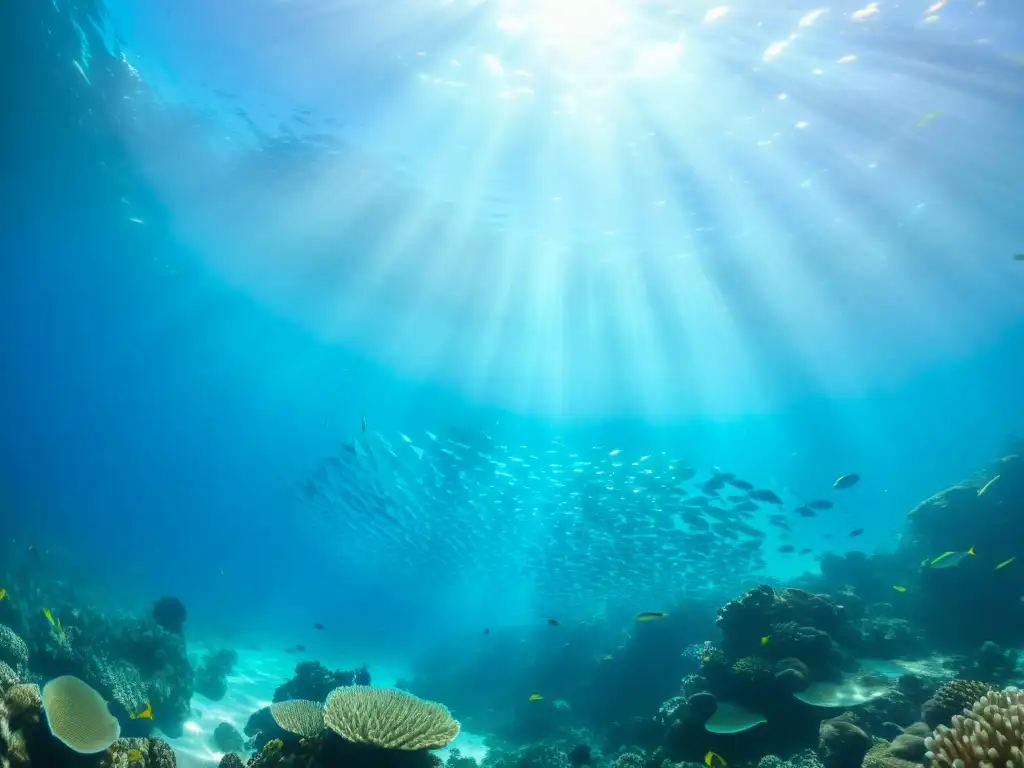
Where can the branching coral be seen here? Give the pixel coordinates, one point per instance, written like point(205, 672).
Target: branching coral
point(990, 733)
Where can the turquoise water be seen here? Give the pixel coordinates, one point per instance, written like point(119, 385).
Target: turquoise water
point(510, 266)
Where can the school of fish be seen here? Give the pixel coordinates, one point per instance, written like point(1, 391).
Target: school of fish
point(589, 526)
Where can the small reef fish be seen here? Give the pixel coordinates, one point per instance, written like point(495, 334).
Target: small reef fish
point(898, 588)
point(1018, 257)
point(766, 496)
point(855, 533)
point(650, 616)
point(1005, 563)
point(553, 622)
point(609, 657)
point(712, 757)
point(927, 119)
point(145, 714)
point(986, 486)
point(766, 639)
point(805, 512)
point(846, 481)
point(787, 548)
point(536, 697)
point(950, 559)
point(3, 593)
point(319, 626)
point(820, 504)
point(487, 631)
point(364, 425)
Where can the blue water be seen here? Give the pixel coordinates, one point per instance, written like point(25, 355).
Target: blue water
point(232, 231)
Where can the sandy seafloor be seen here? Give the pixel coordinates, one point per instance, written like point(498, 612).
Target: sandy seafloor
point(251, 686)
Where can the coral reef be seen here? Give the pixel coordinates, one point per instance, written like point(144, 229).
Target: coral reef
point(365, 726)
point(313, 681)
point(27, 741)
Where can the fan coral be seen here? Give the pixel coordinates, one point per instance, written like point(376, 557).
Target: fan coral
point(389, 718)
point(990, 733)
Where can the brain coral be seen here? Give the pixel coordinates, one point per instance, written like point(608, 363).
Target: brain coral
point(78, 715)
point(388, 718)
point(988, 734)
point(950, 699)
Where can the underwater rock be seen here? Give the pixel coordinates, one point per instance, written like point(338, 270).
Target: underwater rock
point(916, 688)
point(841, 744)
point(226, 738)
point(580, 755)
point(881, 756)
point(792, 674)
point(313, 681)
point(702, 706)
point(908, 746)
point(261, 728)
point(170, 613)
point(211, 676)
point(456, 760)
point(231, 761)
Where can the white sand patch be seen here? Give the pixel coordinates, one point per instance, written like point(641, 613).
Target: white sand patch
point(251, 686)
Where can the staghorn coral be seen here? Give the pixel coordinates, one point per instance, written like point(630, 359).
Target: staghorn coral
point(989, 733)
point(389, 718)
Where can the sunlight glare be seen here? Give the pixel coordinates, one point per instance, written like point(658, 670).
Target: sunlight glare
point(566, 24)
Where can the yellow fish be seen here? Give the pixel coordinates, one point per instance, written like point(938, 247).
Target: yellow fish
point(899, 588)
point(1005, 563)
point(987, 485)
point(134, 756)
point(3, 593)
point(765, 640)
point(49, 616)
point(145, 714)
point(650, 616)
point(536, 697)
point(609, 657)
point(711, 757)
point(927, 119)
